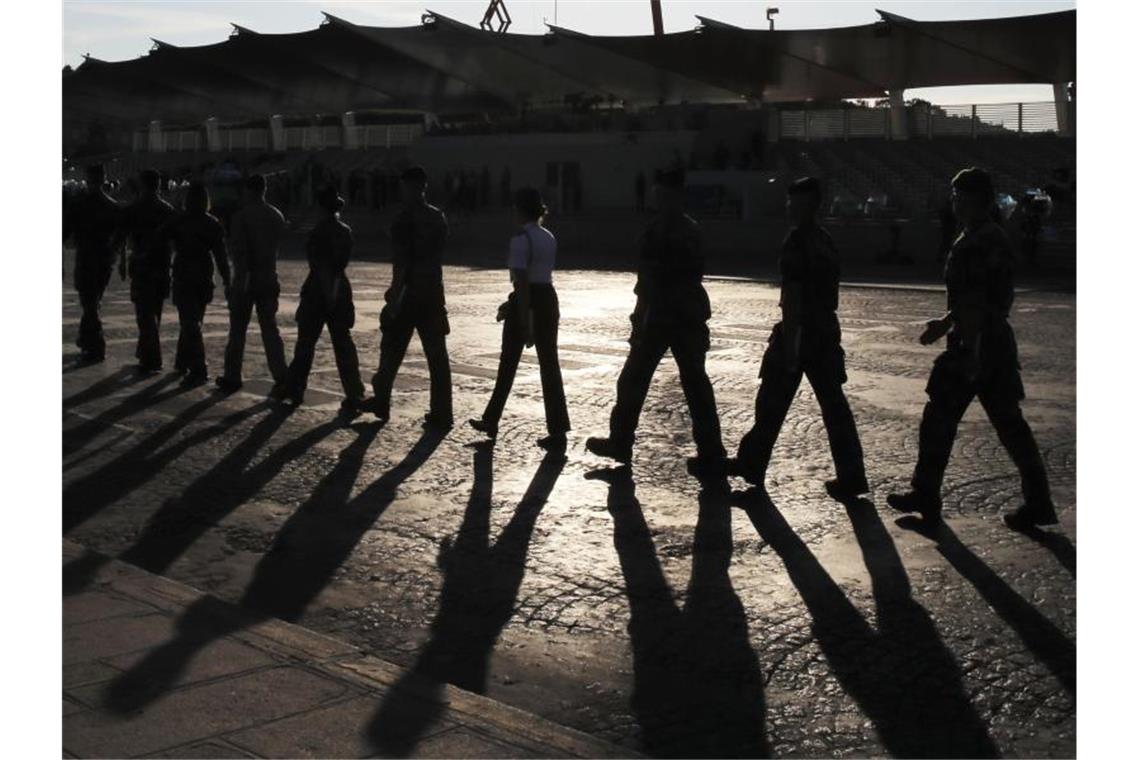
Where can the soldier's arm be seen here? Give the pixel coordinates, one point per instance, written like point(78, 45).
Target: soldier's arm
point(791, 306)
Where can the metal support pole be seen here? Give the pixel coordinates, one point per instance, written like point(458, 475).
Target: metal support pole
point(973, 121)
point(658, 24)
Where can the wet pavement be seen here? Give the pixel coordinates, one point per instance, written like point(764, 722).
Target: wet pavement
point(634, 608)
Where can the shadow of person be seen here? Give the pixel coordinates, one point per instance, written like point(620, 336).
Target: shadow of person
point(1056, 543)
point(76, 437)
point(1044, 640)
point(903, 677)
point(219, 491)
point(698, 687)
point(86, 496)
point(120, 378)
point(481, 582)
point(308, 550)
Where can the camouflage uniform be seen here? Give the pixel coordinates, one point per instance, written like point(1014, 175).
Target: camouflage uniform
point(149, 269)
point(671, 313)
point(809, 260)
point(91, 220)
point(979, 360)
point(256, 233)
point(199, 242)
point(326, 299)
point(415, 303)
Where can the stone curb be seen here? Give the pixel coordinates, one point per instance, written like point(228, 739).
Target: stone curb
point(343, 661)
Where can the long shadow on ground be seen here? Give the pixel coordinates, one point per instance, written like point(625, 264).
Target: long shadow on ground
point(903, 676)
point(481, 582)
point(1041, 637)
point(698, 686)
point(308, 550)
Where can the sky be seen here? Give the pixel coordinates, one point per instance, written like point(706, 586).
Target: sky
point(120, 30)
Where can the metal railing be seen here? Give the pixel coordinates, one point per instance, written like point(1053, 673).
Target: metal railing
point(923, 120)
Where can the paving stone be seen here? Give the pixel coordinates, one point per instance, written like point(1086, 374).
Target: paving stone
point(199, 712)
point(339, 730)
point(83, 673)
point(463, 742)
point(97, 605)
point(205, 751)
point(108, 637)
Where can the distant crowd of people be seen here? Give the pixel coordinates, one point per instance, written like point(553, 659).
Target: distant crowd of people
point(175, 252)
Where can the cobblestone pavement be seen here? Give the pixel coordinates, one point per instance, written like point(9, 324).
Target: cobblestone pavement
point(638, 610)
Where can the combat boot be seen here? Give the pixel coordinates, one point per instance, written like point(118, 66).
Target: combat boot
point(610, 449)
point(1026, 517)
point(736, 468)
point(930, 507)
point(846, 490)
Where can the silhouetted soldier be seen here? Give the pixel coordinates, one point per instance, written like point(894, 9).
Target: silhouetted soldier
point(326, 299)
point(806, 341)
point(415, 300)
point(199, 241)
point(530, 318)
point(672, 312)
point(90, 220)
point(148, 267)
point(980, 360)
point(256, 234)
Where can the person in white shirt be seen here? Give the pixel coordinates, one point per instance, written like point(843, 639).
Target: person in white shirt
point(530, 318)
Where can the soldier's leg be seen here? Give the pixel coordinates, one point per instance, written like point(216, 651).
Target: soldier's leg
point(394, 339)
point(267, 302)
point(690, 346)
point(190, 315)
point(774, 397)
point(148, 313)
point(509, 355)
point(241, 309)
point(827, 377)
point(949, 395)
point(550, 370)
point(1004, 411)
point(310, 323)
point(347, 361)
point(646, 348)
point(433, 338)
point(90, 288)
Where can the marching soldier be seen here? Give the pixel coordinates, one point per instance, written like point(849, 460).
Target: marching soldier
point(326, 299)
point(148, 266)
point(672, 312)
point(91, 220)
point(415, 301)
point(805, 342)
point(199, 241)
point(257, 230)
point(980, 360)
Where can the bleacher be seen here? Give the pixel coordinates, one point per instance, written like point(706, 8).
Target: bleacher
point(914, 175)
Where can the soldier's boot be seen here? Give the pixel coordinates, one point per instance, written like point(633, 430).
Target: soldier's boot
point(229, 385)
point(915, 502)
point(555, 443)
point(610, 448)
point(846, 489)
point(707, 469)
point(752, 475)
point(1030, 516)
point(489, 429)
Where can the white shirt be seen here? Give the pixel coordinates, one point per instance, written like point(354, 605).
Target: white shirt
point(534, 250)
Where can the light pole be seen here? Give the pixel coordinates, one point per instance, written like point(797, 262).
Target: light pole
point(771, 13)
